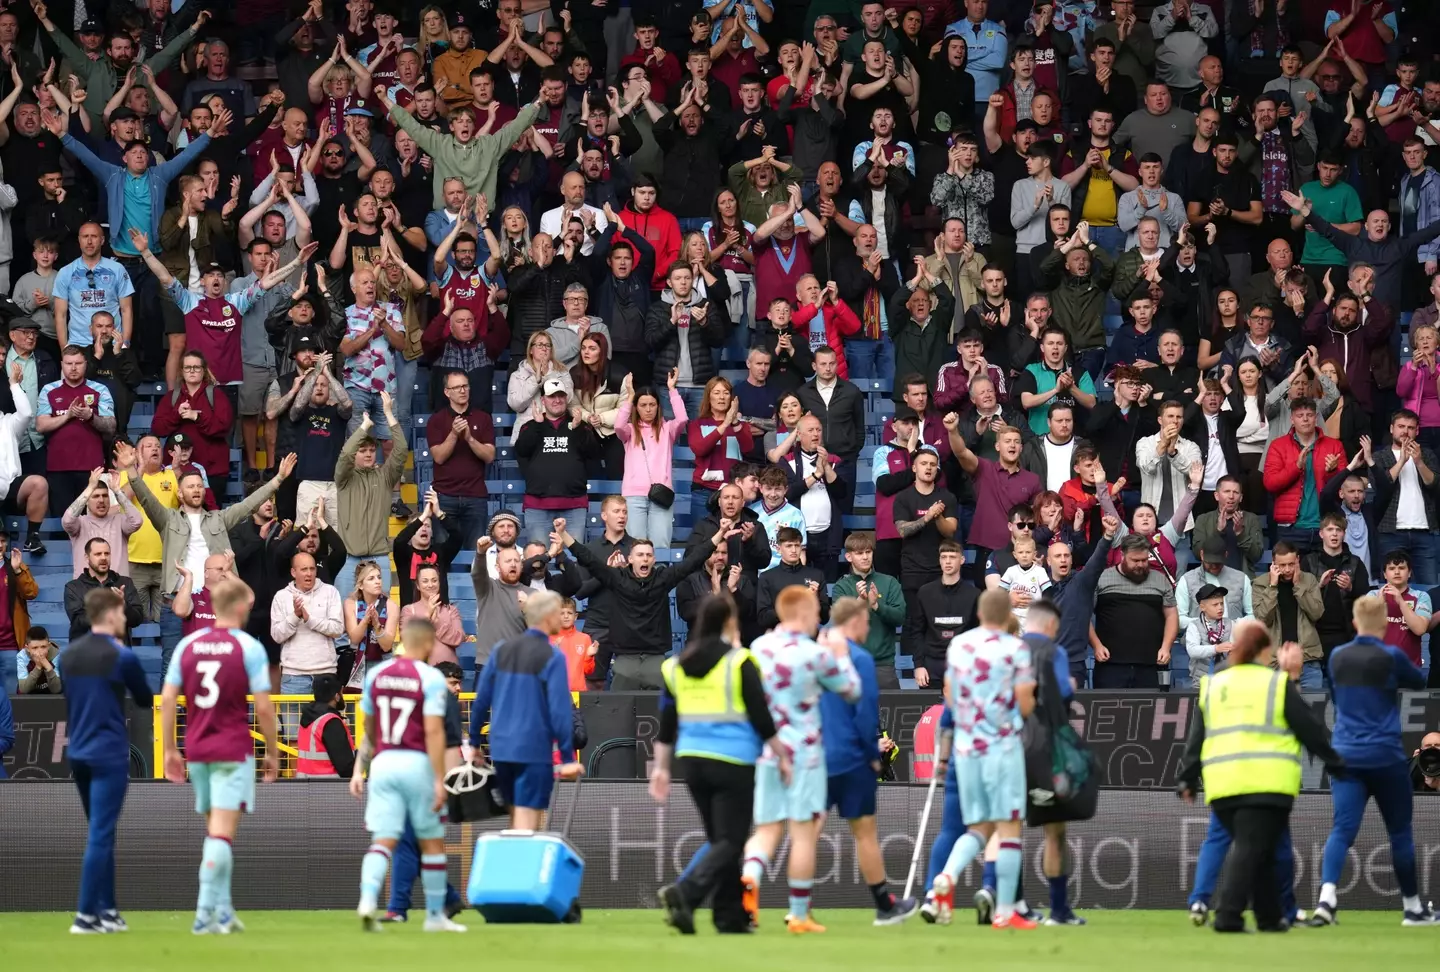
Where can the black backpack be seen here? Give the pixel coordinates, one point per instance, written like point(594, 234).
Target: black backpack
point(1061, 773)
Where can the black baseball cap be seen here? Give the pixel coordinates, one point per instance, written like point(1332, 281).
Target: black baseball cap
point(91, 26)
point(1208, 591)
point(123, 114)
point(211, 267)
point(181, 441)
point(304, 343)
point(1213, 551)
point(904, 413)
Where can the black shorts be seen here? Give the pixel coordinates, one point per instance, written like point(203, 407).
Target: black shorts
point(11, 505)
point(173, 317)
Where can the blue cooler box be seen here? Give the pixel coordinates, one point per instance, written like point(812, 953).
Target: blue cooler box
point(525, 877)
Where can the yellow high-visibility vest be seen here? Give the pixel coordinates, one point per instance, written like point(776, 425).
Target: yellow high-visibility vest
point(713, 720)
point(1249, 747)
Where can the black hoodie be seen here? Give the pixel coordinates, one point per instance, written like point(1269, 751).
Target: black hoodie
point(698, 658)
point(337, 743)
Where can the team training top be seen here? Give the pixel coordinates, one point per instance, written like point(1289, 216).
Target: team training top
point(394, 691)
point(984, 667)
point(796, 671)
point(216, 669)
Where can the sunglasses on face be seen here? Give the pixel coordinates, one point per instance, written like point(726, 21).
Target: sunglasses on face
point(333, 155)
point(1024, 524)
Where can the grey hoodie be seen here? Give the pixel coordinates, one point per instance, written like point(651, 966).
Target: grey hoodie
point(497, 610)
point(1032, 222)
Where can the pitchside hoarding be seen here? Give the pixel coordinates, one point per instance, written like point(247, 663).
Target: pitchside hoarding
point(301, 849)
point(1139, 737)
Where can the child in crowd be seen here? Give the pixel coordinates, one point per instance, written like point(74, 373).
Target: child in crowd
point(32, 293)
point(1207, 641)
point(1026, 577)
point(577, 647)
point(775, 510)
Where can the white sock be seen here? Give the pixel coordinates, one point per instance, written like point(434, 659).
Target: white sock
point(1412, 903)
point(754, 867)
point(1327, 896)
point(1022, 907)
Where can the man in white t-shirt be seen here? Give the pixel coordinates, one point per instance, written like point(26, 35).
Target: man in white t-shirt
point(1410, 519)
point(552, 222)
point(1051, 455)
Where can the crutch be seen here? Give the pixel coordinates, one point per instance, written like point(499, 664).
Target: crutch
point(920, 837)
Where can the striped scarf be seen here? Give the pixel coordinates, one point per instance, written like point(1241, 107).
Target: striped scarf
point(1258, 47)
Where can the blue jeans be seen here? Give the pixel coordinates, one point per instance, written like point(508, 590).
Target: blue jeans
point(1301, 538)
point(467, 515)
point(1390, 786)
point(1312, 677)
point(1212, 856)
point(404, 869)
point(345, 583)
point(302, 685)
point(171, 631)
point(539, 524)
point(9, 673)
point(868, 358)
point(650, 522)
point(365, 401)
point(405, 372)
point(1421, 545)
point(1091, 361)
point(1111, 239)
point(952, 826)
point(102, 793)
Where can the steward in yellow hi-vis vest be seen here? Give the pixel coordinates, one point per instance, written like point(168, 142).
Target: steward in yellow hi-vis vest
point(1245, 744)
point(714, 717)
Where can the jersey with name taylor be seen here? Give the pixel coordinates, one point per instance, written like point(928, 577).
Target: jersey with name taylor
point(216, 669)
point(399, 693)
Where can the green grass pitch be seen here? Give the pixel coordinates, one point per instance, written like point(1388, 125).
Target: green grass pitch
point(636, 940)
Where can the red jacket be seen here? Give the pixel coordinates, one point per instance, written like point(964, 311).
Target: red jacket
point(210, 432)
point(662, 231)
point(662, 74)
point(1283, 471)
point(712, 452)
point(437, 333)
point(840, 320)
point(1008, 120)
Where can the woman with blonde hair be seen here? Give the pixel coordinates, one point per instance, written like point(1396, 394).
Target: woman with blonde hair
point(527, 381)
point(371, 618)
point(649, 442)
point(434, 35)
point(430, 605)
point(1418, 384)
point(514, 238)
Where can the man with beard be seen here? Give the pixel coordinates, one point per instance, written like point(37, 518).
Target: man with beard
point(749, 546)
point(499, 600)
point(1073, 592)
point(1135, 620)
point(639, 631)
point(101, 77)
point(925, 517)
point(621, 298)
point(1278, 156)
point(1342, 328)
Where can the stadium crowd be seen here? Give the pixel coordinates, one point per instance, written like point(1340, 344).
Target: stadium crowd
point(1071, 298)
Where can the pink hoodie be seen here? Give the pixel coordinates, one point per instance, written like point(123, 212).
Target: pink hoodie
point(649, 462)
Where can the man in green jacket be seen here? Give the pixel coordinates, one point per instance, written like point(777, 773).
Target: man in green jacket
point(921, 312)
point(473, 159)
point(1077, 274)
point(174, 526)
point(364, 490)
point(887, 604)
point(101, 77)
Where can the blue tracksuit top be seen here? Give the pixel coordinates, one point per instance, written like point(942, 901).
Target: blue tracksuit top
point(850, 730)
point(524, 691)
point(1367, 675)
point(98, 671)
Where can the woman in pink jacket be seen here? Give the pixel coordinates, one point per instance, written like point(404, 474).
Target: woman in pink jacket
point(649, 442)
point(1418, 384)
point(429, 606)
